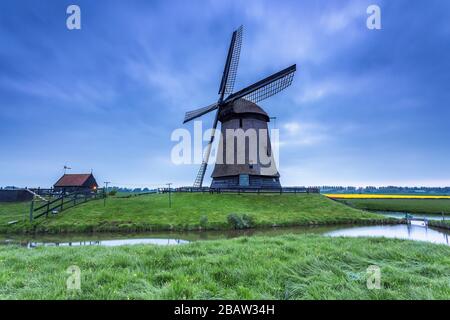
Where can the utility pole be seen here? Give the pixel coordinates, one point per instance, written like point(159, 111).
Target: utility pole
point(170, 197)
point(106, 192)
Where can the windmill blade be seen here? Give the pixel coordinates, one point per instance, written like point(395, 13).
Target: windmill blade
point(198, 183)
point(267, 87)
point(191, 115)
point(232, 62)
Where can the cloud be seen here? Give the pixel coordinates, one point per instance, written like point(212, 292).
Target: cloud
point(343, 17)
point(361, 100)
point(81, 96)
point(302, 134)
point(315, 91)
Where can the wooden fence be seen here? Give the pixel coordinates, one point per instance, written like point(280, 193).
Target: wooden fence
point(64, 202)
point(243, 190)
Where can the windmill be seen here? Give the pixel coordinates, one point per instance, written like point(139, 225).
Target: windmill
point(239, 110)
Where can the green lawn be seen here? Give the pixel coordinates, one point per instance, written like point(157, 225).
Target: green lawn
point(429, 206)
point(16, 211)
point(195, 211)
point(282, 267)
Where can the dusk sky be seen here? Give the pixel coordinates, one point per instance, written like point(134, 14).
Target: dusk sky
point(367, 107)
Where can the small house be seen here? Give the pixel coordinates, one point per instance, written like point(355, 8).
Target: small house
point(76, 182)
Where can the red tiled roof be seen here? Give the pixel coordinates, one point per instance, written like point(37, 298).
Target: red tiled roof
point(72, 180)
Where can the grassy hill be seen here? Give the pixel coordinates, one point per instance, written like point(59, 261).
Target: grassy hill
point(283, 267)
point(191, 212)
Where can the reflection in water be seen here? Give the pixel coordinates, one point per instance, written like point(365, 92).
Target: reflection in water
point(107, 243)
point(157, 238)
point(411, 232)
point(401, 215)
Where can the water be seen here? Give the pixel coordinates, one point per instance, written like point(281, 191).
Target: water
point(157, 238)
point(106, 243)
point(409, 232)
point(401, 231)
point(401, 215)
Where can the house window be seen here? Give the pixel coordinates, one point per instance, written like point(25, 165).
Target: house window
point(240, 123)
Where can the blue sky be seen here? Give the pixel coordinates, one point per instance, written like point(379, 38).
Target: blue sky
point(367, 107)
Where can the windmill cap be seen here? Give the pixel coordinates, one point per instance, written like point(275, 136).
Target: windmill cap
point(241, 108)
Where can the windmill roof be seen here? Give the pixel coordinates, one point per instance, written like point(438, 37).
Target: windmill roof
point(245, 106)
point(242, 106)
point(72, 180)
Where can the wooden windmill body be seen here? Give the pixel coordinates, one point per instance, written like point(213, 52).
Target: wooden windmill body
point(243, 124)
point(244, 130)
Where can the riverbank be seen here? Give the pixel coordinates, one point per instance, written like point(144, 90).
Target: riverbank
point(282, 267)
point(439, 224)
point(195, 211)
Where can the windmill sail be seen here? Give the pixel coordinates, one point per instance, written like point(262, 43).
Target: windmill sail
point(226, 87)
point(191, 115)
point(201, 172)
point(267, 87)
point(232, 62)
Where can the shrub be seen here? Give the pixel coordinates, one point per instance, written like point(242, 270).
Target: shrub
point(235, 221)
point(238, 222)
point(112, 193)
point(248, 221)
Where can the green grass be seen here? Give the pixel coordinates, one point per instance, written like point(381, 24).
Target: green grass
point(16, 211)
point(428, 206)
point(283, 267)
point(188, 212)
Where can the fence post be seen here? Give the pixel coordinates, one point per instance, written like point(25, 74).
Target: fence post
point(31, 209)
point(62, 202)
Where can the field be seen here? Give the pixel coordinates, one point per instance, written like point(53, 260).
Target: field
point(190, 212)
point(384, 196)
point(428, 206)
point(283, 267)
